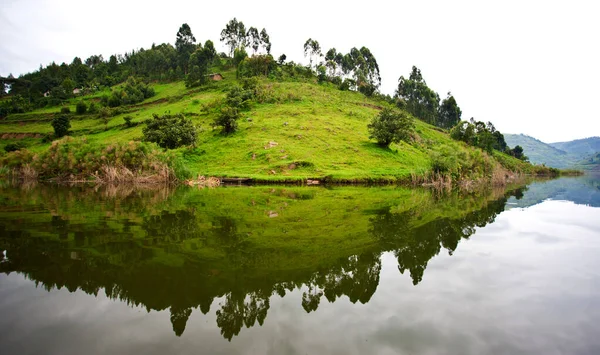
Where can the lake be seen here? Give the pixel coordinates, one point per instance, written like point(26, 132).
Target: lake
point(300, 270)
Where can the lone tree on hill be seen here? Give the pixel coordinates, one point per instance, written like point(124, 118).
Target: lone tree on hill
point(391, 126)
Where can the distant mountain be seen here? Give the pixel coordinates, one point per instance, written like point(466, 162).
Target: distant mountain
point(580, 147)
point(579, 154)
point(540, 152)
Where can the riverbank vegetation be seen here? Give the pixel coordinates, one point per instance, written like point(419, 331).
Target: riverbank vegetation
point(173, 112)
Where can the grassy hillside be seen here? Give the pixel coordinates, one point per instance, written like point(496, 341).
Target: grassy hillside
point(296, 130)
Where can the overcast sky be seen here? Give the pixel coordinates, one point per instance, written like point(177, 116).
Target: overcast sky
point(530, 67)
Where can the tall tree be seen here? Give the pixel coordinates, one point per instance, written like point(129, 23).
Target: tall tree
point(265, 40)
point(449, 112)
point(312, 48)
point(234, 35)
point(185, 45)
point(253, 38)
point(420, 100)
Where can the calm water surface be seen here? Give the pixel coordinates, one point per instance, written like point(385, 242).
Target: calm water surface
point(291, 270)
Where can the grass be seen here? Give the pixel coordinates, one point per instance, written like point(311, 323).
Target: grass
point(316, 130)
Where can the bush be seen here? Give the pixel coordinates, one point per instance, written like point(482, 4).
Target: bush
point(81, 108)
point(228, 119)
point(128, 122)
point(105, 112)
point(170, 131)
point(76, 157)
point(65, 110)
point(391, 126)
point(11, 147)
point(93, 108)
point(61, 124)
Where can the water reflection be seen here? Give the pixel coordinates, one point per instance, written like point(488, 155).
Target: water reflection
point(182, 249)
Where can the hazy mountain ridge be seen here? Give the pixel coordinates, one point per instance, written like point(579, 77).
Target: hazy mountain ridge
point(580, 153)
point(583, 147)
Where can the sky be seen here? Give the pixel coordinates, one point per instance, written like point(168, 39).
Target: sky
point(529, 67)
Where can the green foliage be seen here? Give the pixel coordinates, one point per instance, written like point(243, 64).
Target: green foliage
point(234, 35)
point(391, 126)
point(16, 104)
point(239, 55)
point(185, 44)
point(257, 65)
point(93, 108)
point(128, 122)
point(12, 147)
point(65, 110)
point(479, 134)
point(421, 101)
point(78, 157)
point(517, 152)
point(228, 118)
point(81, 107)
point(133, 91)
point(199, 63)
point(449, 113)
point(170, 131)
point(61, 124)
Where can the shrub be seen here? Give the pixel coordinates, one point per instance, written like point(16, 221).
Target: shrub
point(228, 119)
point(170, 131)
point(65, 110)
point(128, 122)
point(11, 147)
point(105, 112)
point(93, 108)
point(61, 124)
point(81, 108)
point(391, 126)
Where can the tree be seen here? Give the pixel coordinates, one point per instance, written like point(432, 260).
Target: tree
point(449, 112)
point(61, 124)
point(312, 48)
point(517, 152)
point(170, 131)
point(185, 44)
point(234, 35)
point(391, 126)
point(420, 100)
point(253, 38)
point(281, 59)
point(199, 64)
point(265, 41)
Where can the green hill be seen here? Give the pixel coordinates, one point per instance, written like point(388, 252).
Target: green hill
point(294, 130)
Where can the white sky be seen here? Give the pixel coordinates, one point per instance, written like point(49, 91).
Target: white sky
point(530, 67)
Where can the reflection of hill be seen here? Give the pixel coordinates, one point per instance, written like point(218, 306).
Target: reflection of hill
point(183, 248)
point(583, 190)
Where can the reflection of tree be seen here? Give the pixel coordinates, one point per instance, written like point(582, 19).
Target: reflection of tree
point(179, 318)
point(143, 260)
point(414, 245)
point(240, 309)
point(171, 226)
